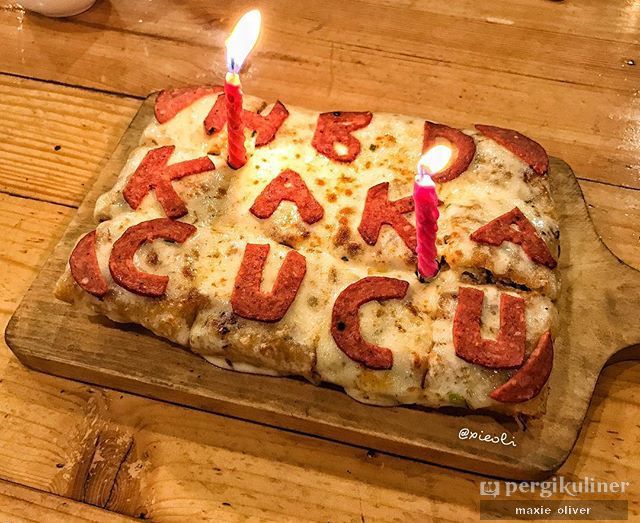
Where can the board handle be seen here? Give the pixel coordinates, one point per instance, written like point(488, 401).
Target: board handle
point(620, 309)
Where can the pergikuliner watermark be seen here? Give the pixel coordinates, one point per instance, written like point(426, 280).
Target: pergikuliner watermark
point(604, 499)
point(555, 485)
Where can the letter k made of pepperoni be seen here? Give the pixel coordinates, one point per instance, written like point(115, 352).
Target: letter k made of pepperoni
point(154, 173)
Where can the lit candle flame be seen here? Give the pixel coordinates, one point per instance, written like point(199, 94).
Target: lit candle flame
point(242, 39)
point(433, 161)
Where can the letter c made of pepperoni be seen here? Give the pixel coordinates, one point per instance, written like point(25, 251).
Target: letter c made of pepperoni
point(345, 323)
point(121, 265)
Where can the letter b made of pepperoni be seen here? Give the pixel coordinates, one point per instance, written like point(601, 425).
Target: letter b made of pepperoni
point(336, 128)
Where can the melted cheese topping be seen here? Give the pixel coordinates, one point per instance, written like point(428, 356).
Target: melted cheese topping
point(196, 310)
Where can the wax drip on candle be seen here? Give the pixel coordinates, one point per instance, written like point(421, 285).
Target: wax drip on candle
point(239, 45)
point(426, 208)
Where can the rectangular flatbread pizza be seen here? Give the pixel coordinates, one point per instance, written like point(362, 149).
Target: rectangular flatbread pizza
point(303, 261)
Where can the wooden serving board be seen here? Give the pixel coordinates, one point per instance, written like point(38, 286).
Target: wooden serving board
point(599, 310)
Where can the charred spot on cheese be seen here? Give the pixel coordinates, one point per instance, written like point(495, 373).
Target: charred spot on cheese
point(335, 129)
point(345, 324)
point(343, 235)
point(248, 301)
point(188, 272)
point(170, 103)
point(85, 270)
point(379, 211)
point(354, 249)
point(508, 349)
point(226, 322)
point(464, 149)
point(122, 266)
point(312, 301)
point(154, 173)
point(514, 227)
point(152, 258)
point(529, 380)
point(289, 186)
point(528, 150)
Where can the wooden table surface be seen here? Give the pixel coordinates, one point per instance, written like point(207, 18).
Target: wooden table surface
point(562, 72)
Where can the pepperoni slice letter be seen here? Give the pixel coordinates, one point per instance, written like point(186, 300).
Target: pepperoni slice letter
point(345, 324)
point(289, 186)
point(265, 127)
point(170, 103)
point(84, 266)
point(463, 145)
point(514, 227)
point(529, 380)
point(523, 147)
point(217, 117)
point(153, 173)
point(336, 128)
point(379, 211)
point(121, 265)
point(248, 301)
point(507, 350)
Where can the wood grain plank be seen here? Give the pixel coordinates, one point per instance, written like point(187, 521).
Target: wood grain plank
point(345, 480)
point(616, 214)
point(186, 464)
point(573, 89)
point(564, 50)
point(20, 504)
point(54, 139)
point(422, 31)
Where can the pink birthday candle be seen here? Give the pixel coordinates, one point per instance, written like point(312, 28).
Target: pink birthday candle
point(426, 208)
point(239, 44)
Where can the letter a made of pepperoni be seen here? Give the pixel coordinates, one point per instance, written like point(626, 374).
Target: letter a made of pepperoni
point(514, 227)
point(289, 186)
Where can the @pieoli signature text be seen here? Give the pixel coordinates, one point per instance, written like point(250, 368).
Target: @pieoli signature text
point(502, 439)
